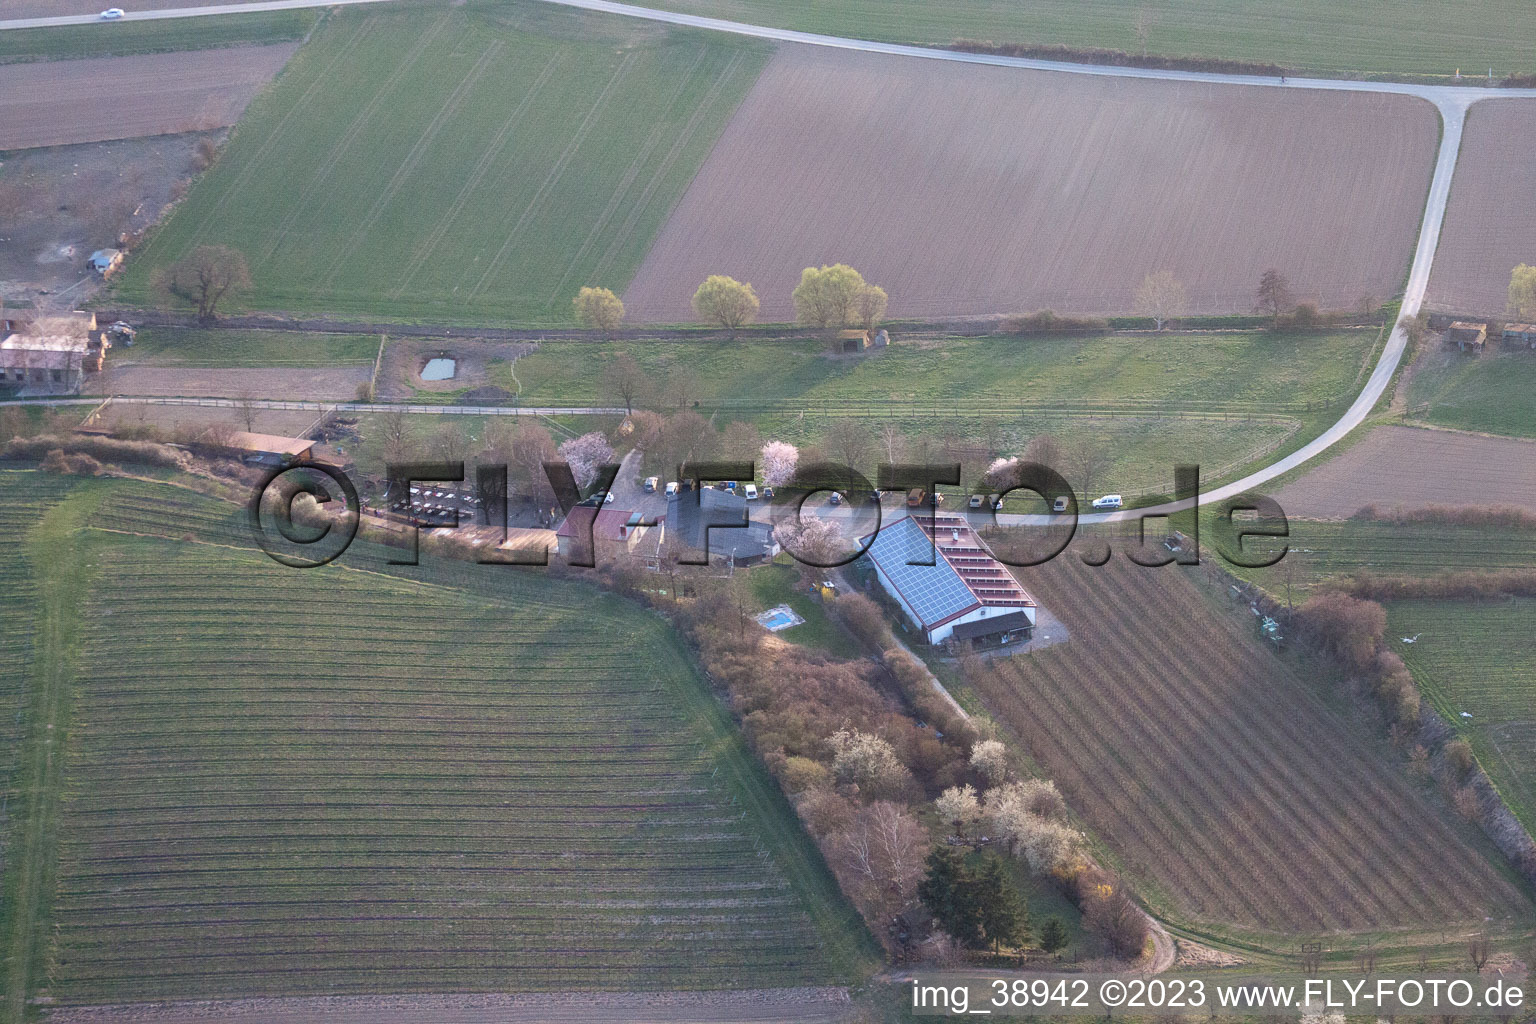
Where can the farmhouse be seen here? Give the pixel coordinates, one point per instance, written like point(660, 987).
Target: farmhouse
point(614, 527)
point(722, 518)
point(1466, 336)
point(51, 354)
point(1520, 335)
point(964, 595)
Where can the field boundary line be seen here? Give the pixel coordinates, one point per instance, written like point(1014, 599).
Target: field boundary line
point(555, 172)
point(407, 166)
point(678, 145)
point(630, 174)
point(498, 142)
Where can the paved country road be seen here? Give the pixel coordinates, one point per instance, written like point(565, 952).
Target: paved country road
point(1451, 101)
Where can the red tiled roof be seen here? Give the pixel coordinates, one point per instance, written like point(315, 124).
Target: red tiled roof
point(987, 579)
point(609, 526)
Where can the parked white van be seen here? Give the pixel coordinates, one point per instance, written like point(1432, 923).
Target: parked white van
point(751, 491)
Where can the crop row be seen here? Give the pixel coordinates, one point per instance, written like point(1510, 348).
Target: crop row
point(1217, 772)
point(414, 790)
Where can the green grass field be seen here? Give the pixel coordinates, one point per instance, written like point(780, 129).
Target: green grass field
point(192, 347)
point(376, 779)
point(169, 35)
point(1387, 37)
point(1216, 372)
point(1146, 401)
point(1325, 551)
point(1477, 657)
point(475, 163)
point(1495, 394)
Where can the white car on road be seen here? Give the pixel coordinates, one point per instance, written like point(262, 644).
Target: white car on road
point(1109, 501)
point(111, 14)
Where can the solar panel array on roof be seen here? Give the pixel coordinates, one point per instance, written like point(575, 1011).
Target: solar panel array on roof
point(934, 592)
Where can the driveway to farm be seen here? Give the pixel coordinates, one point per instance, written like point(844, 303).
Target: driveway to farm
point(1451, 101)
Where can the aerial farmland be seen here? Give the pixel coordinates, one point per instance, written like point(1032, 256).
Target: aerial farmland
point(1489, 224)
point(967, 191)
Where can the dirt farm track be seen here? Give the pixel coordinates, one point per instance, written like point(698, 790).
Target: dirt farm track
point(1490, 224)
point(972, 190)
point(1412, 467)
point(55, 103)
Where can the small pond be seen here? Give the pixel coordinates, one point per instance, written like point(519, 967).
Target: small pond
point(441, 368)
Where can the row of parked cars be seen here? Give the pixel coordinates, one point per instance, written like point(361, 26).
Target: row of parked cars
point(749, 491)
point(916, 497)
point(1107, 503)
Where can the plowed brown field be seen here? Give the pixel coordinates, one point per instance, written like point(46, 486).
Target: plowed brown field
point(56, 103)
point(1218, 774)
point(1412, 467)
point(975, 190)
point(1490, 224)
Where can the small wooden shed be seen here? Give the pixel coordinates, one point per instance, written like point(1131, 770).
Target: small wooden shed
point(1467, 335)
point(1520, 335)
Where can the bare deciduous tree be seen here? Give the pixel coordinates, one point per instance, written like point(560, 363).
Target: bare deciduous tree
point(205, 278)
point(449, 442)
point(848, 442)
point(394, 436)
point(625, 382)
point(741, 440)
point(1085, 463)
point(245, 407)
point(1274, 294)
point(1045, 450)
point(1479, 949)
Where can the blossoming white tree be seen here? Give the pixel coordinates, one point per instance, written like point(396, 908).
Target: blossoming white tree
point(990, 758)
point(585, 454)
point(779, 460)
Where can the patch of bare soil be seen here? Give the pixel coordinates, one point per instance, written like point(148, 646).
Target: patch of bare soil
point(1412, 467)
point(59, 103)
point(313, 384)
point(60, 204)
point(173, 420)
point(755, 1005)
point(1490, 223)
point(400, 372)
point(969, 190)
point(1193, 954)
